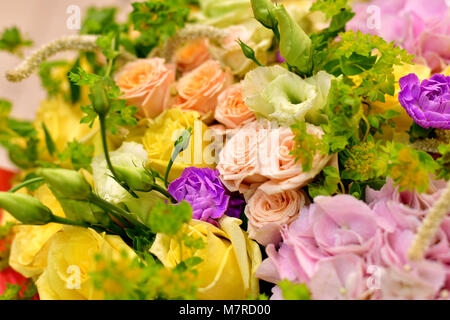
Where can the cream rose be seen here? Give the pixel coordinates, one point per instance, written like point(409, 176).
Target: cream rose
point(146, 84)
point(231, 109)
point(266, 212)
point(199, 89)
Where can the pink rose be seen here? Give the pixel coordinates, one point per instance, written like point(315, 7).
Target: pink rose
point(277, 209)
point(146, 84)
point(192, 54)
point(199, 89)
point(231, 109)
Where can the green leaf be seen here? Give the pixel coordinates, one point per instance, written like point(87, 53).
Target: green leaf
point(79, 154)
point(356, 64)
point(293, 291)
point(52, 85)
point(326, 184)
point(444, 162)
point(51, 148)
point(12, 41)
point(75, 90)
point(157, 20)
point(98, 20)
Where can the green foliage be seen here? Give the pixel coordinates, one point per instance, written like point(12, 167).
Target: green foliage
point(326, 184)
point(157, 20)
point(98, 20)
point(79, 154)
point(362, 162)
point(444, 162)
point(344, 113)
point(5, 238)
point(294, 291)
point(52, 85)
point(330, 8)
point(368, 56)
point(146, 279)
point(12, 41)
point(18, 137)
point(51, 148)
point(409, 168)
point(417, 132)
point(379, 120)
point(19, 292)
point(306, 145)
point(168, 218)
point(340, 13)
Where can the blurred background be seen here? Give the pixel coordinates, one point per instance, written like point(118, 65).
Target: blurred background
point(41, 21)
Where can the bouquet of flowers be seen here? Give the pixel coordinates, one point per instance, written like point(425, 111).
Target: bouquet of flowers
point(234, 149)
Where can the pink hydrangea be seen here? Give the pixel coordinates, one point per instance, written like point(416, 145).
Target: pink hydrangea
point(344, 248)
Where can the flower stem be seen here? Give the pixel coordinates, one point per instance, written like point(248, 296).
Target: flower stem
point(164, 192)
point(25, 183)
point(108, 159)
point(118, 213)
point(61, 220)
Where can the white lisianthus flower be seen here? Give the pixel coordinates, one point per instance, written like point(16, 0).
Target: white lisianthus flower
point(278, 94)
point(130, 154)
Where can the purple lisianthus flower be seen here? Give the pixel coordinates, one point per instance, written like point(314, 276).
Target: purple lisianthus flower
point(202, 188)
point(428, 103)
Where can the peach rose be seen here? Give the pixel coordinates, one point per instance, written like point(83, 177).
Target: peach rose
point(231, 109)
point(258, 156)
point(238, 160)
point(192, 54)
point(146, 84)
point(282, 170)
point(266, 213)
point(199, 89)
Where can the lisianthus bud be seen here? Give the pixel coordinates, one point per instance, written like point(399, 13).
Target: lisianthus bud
point(25, 208)
point(99, 98)
point(136, 178)
point(263, 11)
point(295, 45)
point(67, 183)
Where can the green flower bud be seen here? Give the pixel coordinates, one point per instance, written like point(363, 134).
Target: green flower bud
point(25, 208)
point(248, 52)
point(263, 11)
point(68, 184)
point(136, 178)
point(295, 45)
point(99, 99)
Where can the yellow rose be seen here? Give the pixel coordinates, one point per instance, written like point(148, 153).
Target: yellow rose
point(162, 132)
point(71, 256)
point(230, 259)
point(28, 254)
point(404, 121)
